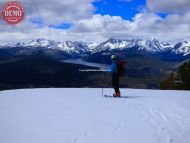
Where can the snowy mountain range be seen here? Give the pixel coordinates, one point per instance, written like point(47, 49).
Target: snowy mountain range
point(72, 48)
point(150, 46)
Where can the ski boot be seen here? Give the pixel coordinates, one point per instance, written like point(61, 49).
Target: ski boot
point(114, 95)
point(118, 94)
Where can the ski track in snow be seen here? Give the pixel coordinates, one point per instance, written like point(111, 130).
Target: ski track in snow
point(84, 116)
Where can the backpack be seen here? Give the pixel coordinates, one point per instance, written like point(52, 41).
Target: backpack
point(121, 68)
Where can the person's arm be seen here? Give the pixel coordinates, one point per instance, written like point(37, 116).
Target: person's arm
point(112, 68)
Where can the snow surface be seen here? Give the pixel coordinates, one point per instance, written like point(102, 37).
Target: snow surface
point(84, 116)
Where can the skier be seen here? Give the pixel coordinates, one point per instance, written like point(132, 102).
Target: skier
point(115, 76)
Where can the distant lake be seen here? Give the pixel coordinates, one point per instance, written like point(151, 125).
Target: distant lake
point(82, 62)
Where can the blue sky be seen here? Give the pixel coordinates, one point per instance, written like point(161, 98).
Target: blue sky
point(126, 9)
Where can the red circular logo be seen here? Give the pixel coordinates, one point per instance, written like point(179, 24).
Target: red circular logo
point(13, 12)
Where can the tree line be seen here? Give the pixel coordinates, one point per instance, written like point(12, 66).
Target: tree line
point(179, 80)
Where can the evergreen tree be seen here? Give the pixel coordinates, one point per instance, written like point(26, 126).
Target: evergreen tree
point(168, 83)
point(178, 80)
point(184, 73)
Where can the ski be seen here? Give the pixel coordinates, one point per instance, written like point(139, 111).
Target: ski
point(111, 96)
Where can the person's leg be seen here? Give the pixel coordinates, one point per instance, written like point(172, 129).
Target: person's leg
point(115, 93)
point(117, 87)
point(114, 84)
point(118, 92)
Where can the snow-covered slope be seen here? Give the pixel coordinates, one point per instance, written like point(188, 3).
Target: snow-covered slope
point(84, 116)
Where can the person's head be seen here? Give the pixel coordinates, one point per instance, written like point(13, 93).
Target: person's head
point(113, 57)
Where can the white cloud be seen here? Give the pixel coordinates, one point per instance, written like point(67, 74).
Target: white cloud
point(89, 27)
point(173, 27)
point(57, 11)
point(100, 23)
point(179, 6)
point(98, 28)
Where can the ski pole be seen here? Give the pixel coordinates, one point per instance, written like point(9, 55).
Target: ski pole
point(103, 86)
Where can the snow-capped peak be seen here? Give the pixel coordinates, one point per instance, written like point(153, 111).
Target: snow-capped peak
point(150, 45)
point(39, 43)
point(92, 46)
point(31, 43)
point(73, 47)
point(182, 48)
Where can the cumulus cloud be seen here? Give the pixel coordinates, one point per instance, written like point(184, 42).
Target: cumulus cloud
point(100, 23)
point(57, 11)
point(93, 28)
point(144, 25)
point(166, 29)
point(179, 6)
point(98, 28)
point(39, 14)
